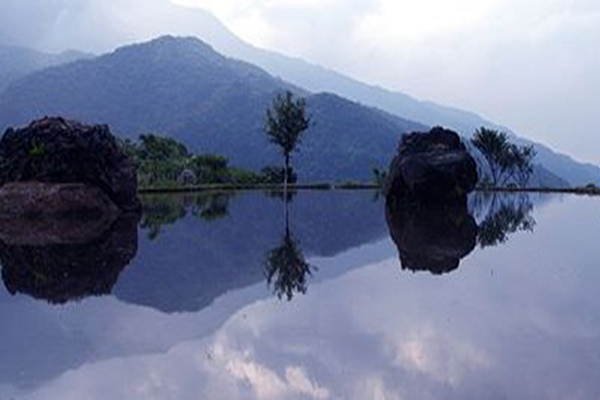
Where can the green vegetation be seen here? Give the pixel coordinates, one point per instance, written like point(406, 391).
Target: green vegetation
point(576, 190)
point(507, 161)
point(285, 123)
point(166, 163)
point(161, 211)
point(379, 176)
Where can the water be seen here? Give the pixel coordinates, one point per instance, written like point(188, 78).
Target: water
point(183, 308)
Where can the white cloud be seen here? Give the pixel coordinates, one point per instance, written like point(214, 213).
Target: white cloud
point(531, 65)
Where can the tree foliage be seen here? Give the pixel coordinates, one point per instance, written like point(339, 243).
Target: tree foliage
point(507, 161)
point(523, 165)
point(379, 176)
point(210, 168)
point(161, 161)
point(285, 123)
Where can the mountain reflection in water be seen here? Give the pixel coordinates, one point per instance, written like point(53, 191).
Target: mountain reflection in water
point(194, 307)
point(218, 242)
point(196, 247)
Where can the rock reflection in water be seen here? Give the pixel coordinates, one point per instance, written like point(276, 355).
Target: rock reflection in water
point(60, 271)
point(432, 237)
point(436, 237)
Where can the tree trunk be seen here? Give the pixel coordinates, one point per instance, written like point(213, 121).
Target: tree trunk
point(286, 216)
point(286, 174)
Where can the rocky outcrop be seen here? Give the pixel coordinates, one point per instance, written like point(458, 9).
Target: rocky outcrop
point(430, 237)
point(58, 151)
point(68, 210)
point(432, 167)
point(61, 270)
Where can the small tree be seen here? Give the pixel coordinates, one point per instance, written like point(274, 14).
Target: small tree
point(160, 159)
point(210, 168)
point(494, 147)
point(379, 176)
point(507, 161)
point(285, 123)
point(524, 164)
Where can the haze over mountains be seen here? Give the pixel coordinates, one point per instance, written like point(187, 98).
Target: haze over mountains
point(17, 62)
point(162, 114)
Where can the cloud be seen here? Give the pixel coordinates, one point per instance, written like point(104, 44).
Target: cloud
point(99, 25)
point(294, 26)
point(529, 65)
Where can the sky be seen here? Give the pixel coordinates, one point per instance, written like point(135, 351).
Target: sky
point(531, 65)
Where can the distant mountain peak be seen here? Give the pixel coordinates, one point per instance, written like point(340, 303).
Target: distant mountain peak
point(183, 41)
point(173, 46)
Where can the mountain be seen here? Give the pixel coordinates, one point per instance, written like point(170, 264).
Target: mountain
point(315, 78)
point(17, 62)
point(184, 21)
point(183, 88)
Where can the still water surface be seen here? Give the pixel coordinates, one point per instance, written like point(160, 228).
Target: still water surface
point(216, 297)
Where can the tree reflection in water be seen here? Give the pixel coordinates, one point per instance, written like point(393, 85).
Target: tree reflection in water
point(435, 237)
point(212, 207)
point(164, 210)
point(159, 211)
point(507, 215)
point(286, 269)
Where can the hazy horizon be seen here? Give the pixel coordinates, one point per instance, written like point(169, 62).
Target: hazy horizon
point(532, 67)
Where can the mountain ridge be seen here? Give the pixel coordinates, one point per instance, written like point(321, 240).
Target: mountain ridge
point(317, 78)
point(212, 103)
point(17, 62)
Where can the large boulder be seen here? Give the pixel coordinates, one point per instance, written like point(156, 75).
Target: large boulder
point(431, 237)
point(58, 151)
point(432, 166)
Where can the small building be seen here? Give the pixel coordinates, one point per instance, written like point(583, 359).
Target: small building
point(187, 177)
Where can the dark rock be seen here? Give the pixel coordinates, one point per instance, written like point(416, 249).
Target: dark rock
point(431, 237)
point(432, 167)
point(57, 151)
point(71, 270)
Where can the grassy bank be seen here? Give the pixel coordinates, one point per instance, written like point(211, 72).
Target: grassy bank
point(589, 191)
point(233, 186)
